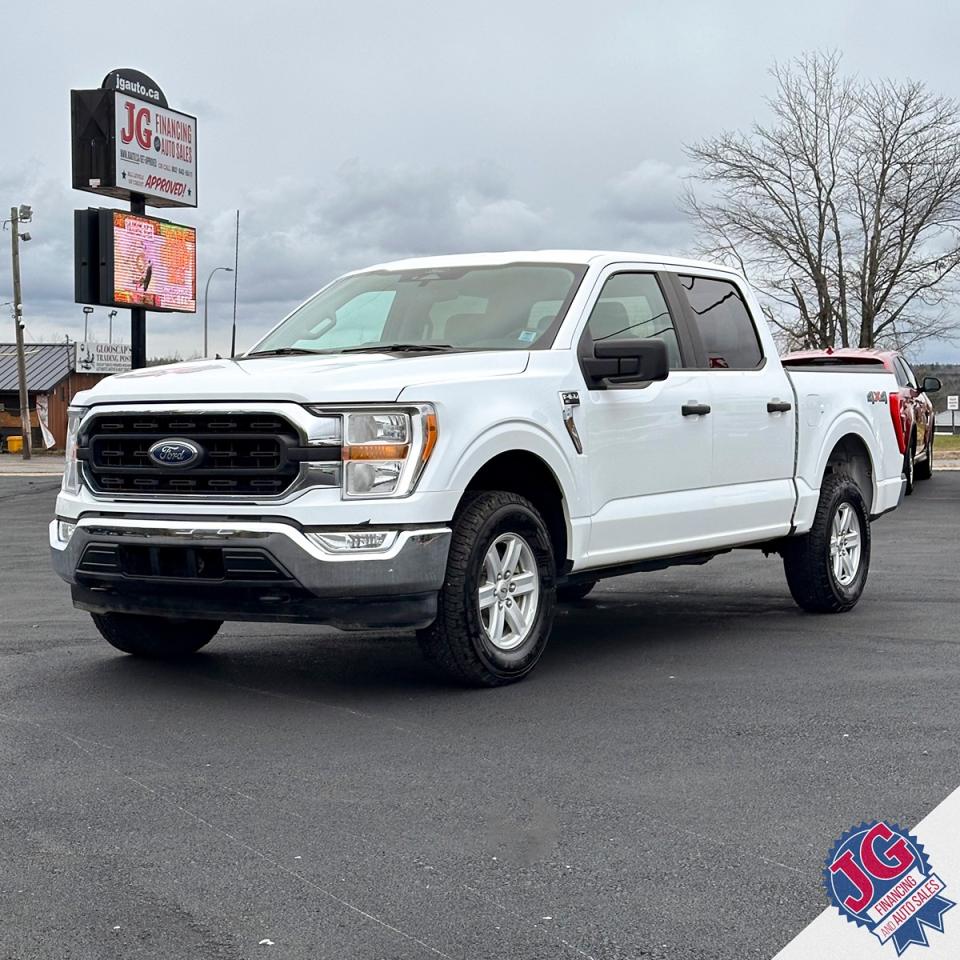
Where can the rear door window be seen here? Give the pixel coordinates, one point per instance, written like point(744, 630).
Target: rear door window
point(723, 322)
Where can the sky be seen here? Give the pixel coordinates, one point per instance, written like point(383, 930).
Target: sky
point(355, 132)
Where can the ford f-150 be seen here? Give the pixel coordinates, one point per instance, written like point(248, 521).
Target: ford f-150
point(456, 444)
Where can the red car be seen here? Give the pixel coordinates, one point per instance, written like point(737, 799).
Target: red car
point(911, 408)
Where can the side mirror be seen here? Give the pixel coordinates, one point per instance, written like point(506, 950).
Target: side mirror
point(627, 361)
point(930, 385)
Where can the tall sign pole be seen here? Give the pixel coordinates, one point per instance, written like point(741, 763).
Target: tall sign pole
point(18, 323)
point(138, 315)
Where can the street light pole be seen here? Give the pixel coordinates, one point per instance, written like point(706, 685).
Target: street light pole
point(18, 323)
point(86, 316)
point(110, 317)
point(206, 293)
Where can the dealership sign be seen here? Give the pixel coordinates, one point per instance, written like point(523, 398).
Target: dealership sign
point(103, 357)
point(127, 142)
point(155, 151)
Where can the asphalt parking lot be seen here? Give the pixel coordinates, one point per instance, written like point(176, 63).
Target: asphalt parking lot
point(666, 784)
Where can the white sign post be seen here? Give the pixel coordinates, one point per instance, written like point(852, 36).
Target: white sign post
point(953, 405)
point(104, 357)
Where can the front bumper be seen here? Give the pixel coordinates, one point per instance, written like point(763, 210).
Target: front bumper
point(251, 570)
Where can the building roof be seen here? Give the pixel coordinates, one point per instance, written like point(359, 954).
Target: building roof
point(47, 365)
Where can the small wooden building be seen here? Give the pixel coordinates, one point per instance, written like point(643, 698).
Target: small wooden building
point(51, 373)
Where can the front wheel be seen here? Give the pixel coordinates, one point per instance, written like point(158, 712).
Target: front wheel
point(497, 602)
point(155, 638)
point(827, 568)
point(910, 465)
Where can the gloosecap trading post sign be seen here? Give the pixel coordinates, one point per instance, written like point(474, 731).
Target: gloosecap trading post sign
point(103, 357)
point(127, 141)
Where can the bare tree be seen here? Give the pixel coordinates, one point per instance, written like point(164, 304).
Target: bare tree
point(844, 210)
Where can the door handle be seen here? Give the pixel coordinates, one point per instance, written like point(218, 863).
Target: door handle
point(695, 409)
point(778, 406)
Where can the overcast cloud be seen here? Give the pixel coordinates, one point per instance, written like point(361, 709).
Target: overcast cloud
point(351, 133)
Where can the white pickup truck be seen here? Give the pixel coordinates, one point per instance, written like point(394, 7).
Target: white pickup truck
point(455, 444)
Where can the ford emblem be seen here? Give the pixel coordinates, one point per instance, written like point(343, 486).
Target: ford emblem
point(174, 453)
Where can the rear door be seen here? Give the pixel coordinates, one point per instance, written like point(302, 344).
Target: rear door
point(648, 464)
point(754, 419)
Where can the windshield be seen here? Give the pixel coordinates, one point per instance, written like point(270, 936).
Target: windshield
point(516, 306)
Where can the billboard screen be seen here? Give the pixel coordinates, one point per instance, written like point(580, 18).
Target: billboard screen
point(147, 263)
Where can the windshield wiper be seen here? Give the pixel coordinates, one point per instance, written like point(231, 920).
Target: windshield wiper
point(402, 348)
point(281, 352)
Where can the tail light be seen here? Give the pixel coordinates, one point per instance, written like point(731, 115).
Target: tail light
point(897, 418)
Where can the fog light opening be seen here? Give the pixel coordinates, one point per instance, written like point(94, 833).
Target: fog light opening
point(65, 530)
point(355, 541)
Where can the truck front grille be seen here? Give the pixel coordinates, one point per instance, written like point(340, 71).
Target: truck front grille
point(239, 454)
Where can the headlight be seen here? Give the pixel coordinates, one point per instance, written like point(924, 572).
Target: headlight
point(71, 473)
point(385, 450)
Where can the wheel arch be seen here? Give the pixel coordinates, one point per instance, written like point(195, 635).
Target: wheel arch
point(851, 454)
point(529, 466)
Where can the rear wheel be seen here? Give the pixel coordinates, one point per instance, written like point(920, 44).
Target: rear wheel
point(923, 469)
point(827, 568)
point(155, 638)
point(498, 597)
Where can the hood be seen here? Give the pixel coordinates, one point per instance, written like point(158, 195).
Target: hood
point(354, 378)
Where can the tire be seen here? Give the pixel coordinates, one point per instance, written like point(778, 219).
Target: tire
point(479, 645)
point(155, 638)
point(910, 465)
point(808, 562)
point(923, 469)
point(572, 592)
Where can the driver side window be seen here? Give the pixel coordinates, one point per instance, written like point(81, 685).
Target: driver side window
point(632, 305)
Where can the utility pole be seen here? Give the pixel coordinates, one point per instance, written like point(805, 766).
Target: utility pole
point(18, 323)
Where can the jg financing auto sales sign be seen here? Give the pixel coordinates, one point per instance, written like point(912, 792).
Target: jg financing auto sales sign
point(128, 143)
point(156, 150)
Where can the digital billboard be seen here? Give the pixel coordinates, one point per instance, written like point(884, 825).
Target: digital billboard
point(147, 263)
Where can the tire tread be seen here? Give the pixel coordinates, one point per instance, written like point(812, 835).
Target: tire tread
point(447, 642)
point(806, 558)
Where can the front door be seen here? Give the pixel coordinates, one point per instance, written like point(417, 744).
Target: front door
point(648, 449)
